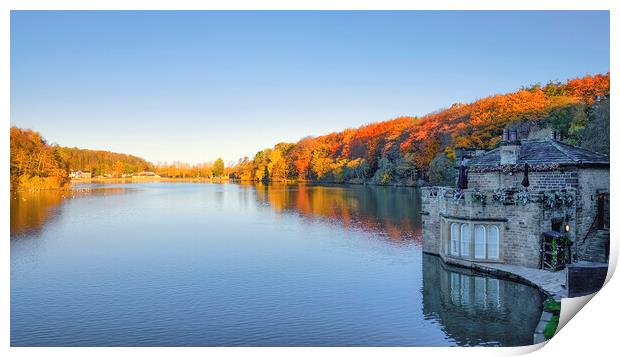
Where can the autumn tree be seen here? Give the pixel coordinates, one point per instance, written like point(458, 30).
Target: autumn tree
point(34, 163)
point(118, 168)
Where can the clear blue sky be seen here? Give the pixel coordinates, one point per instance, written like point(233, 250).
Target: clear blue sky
point(194, 86)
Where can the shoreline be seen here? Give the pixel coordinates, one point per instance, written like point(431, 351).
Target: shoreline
point(205, 180)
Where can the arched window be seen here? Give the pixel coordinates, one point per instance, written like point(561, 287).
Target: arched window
point(485, 244)
point(454, 239)
point(465, 240)
point(480, 241)
point(493, 242)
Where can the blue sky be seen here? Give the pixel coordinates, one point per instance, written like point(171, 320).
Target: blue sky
point(194, 86)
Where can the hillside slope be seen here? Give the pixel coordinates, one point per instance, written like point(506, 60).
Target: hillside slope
point(407, 149)
point(101, 162)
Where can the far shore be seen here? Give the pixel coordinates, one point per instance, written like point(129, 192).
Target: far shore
point(119, 180)
point(147, 179)
point(226, 180)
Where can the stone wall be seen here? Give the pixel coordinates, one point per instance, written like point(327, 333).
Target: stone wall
point(521, 226)
point(590, 180)
point(430, 224)
point(585, 180)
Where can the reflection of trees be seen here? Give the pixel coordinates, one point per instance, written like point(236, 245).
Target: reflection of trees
point(386, 210)
point(475, 309)
point(30, 210)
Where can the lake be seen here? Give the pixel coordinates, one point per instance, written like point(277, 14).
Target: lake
point(195, 264)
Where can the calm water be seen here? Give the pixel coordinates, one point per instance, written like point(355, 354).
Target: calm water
point(176, 264)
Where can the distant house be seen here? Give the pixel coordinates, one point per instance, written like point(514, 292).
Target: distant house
point(80, 174)
point(146, 174)
point(502, 218)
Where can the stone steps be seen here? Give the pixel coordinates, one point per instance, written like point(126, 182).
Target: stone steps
point(594, 248)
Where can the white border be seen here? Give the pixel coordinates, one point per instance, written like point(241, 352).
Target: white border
point(591, 331)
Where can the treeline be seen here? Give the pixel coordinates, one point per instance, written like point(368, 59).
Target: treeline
point(34, 163)
point(405, 150)
point(179, 169)
point(100, 162)
point(412, 150)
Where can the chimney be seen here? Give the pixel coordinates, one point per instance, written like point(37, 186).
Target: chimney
point(512, 135)
point(510, 147)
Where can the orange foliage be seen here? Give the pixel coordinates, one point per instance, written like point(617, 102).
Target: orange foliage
point(477, 124)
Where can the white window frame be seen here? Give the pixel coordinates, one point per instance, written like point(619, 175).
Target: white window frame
point(484, 241)
point(455, 238)
point(464, 240)
point(489, 229)
point(464, 231)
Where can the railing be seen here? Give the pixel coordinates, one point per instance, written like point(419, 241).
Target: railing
point(506, 196)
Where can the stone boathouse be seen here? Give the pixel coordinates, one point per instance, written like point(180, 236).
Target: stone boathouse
point(535, 203)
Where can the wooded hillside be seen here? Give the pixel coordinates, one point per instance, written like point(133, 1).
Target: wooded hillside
point(405, 150)
point(409, 150)
point(37, 165)
point(101, 162)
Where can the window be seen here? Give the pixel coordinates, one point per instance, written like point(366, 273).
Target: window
point(484, 244)
point(480, 241)
point(464, 240)
point(493, 242)
point(454, 239)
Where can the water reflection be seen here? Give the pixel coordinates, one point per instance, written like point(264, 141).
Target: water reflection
point(389, 211)
point(476, 309)
point(178, 264)
point(32, 210)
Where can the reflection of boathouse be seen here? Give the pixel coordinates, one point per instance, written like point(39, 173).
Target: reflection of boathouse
point(522, 200)
point(476, 309)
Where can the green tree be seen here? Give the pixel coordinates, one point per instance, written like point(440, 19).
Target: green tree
point(595, 136)
point(442, 171)
point(218, 167)
point(385, 172)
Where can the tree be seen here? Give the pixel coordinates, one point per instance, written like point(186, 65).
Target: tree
point(277, 165)
point(442, 171)
point(384, 173)
point(218, 167)
point(595, 136)
point(265, 176)
point(320, 163)
point(34, 163)
point(118, 168)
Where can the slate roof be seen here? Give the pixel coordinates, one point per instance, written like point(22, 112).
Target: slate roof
point(545, 151)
